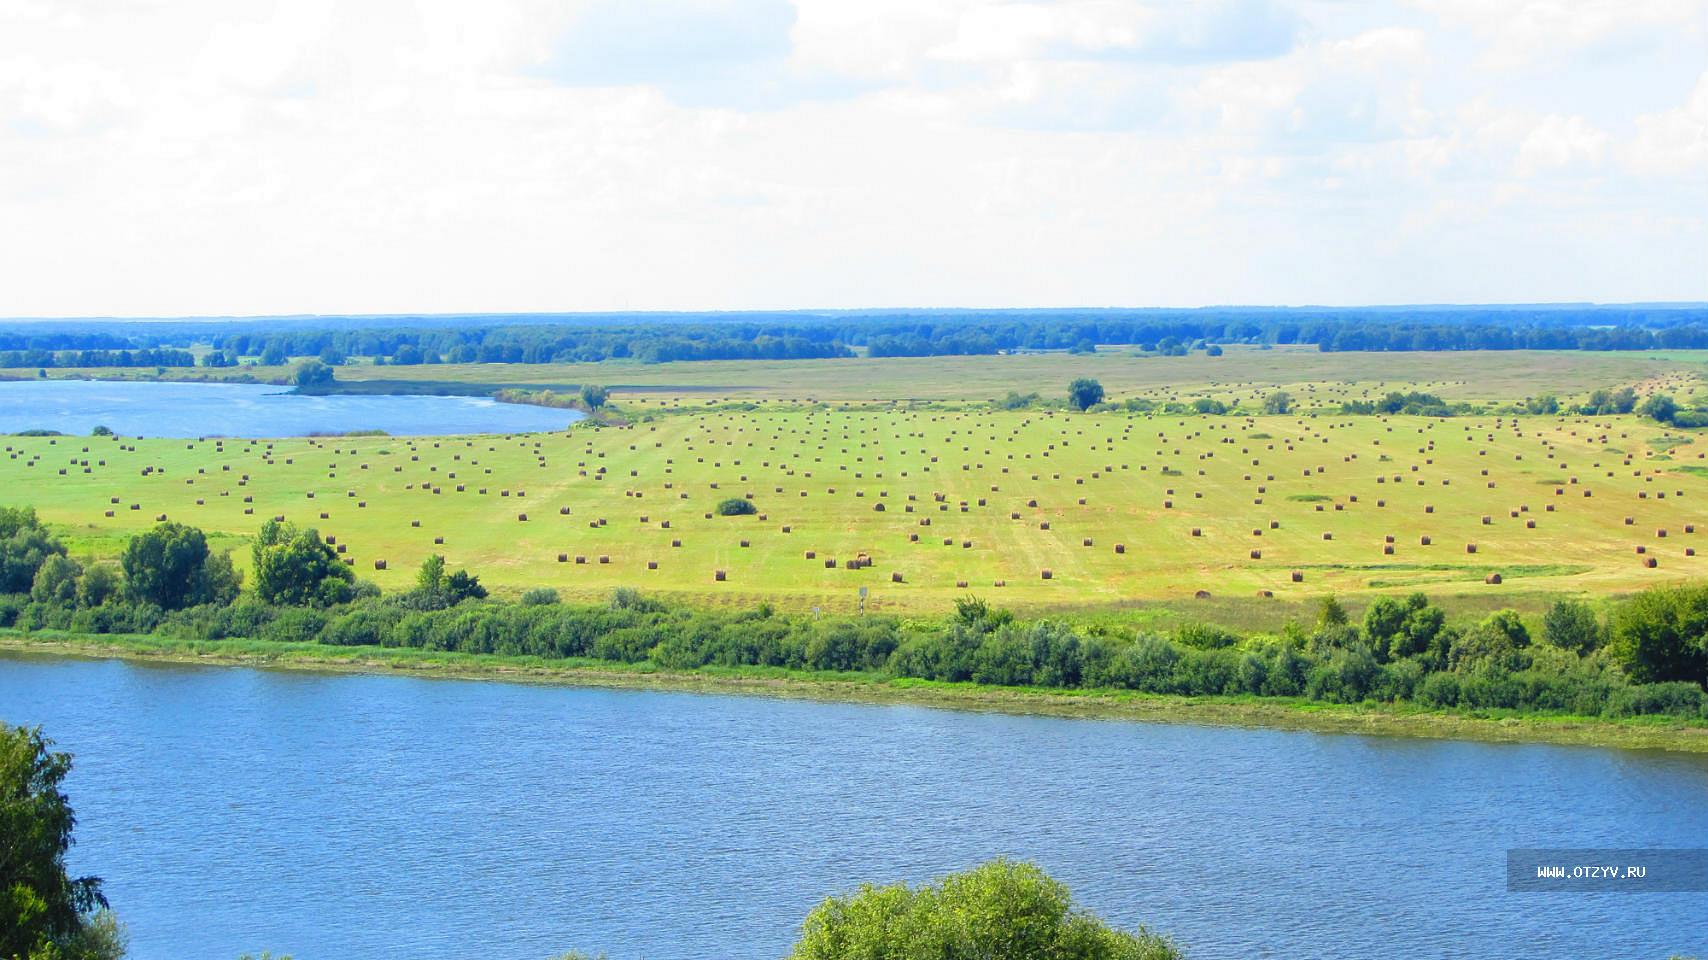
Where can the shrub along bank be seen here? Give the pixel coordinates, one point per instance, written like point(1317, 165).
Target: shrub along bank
point(1648, 656)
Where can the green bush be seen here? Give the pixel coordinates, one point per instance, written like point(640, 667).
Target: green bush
point(736, 507)
point(999, 911)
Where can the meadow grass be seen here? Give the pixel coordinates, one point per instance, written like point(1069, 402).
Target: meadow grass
point(1122, 510)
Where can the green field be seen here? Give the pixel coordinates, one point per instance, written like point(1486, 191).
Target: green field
point(1120, 509)
point(1244, 372)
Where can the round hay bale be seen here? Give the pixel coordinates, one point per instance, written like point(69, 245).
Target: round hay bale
point(1045, 574)
point(1492, 578)
point(1650, 562)
point(1266, 594)
point(718, 576)
point(1470, 548)
point(1120, 548)
point(379, 564)
point(1298, 576)
point(1423, 541)
point(1257, 554)
point(563, 558)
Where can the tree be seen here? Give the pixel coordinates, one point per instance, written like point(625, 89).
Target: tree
point(1660, 408)
point(1213, 350)
point(435, 590)
point(594, 396)
point(1571, 625)
point(312, 373)
point(1001, 910)
point(101, 431)
point(171, 567)
point(736, 507)
point(297, 568)
point(44, 912)
point(1085, 394)
point(1498, 642)
point(1330, 613)
point(100, 583)
point(1278, 402)
point(24, 546)
point(56, 581)
point(1661, 634)
point(274, 356)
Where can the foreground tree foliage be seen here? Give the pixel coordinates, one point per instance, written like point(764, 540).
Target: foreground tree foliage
point(1001, 910)
point(45, 914)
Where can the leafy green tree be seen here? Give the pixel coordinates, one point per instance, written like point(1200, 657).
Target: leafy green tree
point(274, 356)
point(437, 590)
point(1400, 629)
point(1660, 408)
point(298, 568)
point(1278, 402)
point(99, 584)
point(1001, 910)
point(24, 546)
point(1085, 394)
point(56, 581)
point(171, 567)
point(44, 912)
point(1571, 625)
point(101, 431)
point(1330, 613)
point(1661, 634)
point(736, 507)
point(1498, 642)
point(594, 396)
point(312, 373)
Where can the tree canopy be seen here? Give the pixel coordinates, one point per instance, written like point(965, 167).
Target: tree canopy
point(1085, 394)
point(297, 567)
point(171, 567)
point(44, 911)
point(1002, 910)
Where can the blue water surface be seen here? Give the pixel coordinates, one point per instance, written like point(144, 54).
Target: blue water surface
point(163, 409)
point(362, 816)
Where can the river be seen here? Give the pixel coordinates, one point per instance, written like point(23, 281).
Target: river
point(337, 816)
point(164, 409)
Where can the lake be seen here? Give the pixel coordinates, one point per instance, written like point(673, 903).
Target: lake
point(335, 816)
point(162, 409)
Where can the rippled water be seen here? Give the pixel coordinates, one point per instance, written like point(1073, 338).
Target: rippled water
point(251, 410)
point(352, 816)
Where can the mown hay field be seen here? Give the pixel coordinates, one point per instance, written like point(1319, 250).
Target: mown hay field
point(1032, 509)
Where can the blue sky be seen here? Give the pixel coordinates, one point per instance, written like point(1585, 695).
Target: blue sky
point(177, 157)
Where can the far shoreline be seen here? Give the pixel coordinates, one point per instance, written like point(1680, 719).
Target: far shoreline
point(1355, 719)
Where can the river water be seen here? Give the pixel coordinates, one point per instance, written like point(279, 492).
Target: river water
point(161, 409)
point(336, 816)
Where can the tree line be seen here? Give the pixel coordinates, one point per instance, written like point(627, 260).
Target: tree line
point(1648, 655)
point(799, 335)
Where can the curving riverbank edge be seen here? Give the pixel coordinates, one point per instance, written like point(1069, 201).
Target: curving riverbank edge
point(1363, 719)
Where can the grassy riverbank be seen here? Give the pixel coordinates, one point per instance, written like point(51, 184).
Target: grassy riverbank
point(1369, 718)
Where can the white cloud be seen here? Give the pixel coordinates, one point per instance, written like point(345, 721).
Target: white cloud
point(249, 156)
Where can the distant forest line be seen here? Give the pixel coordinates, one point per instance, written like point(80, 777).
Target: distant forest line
point(659, 338)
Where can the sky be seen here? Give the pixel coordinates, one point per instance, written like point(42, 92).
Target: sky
point(238, 157)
